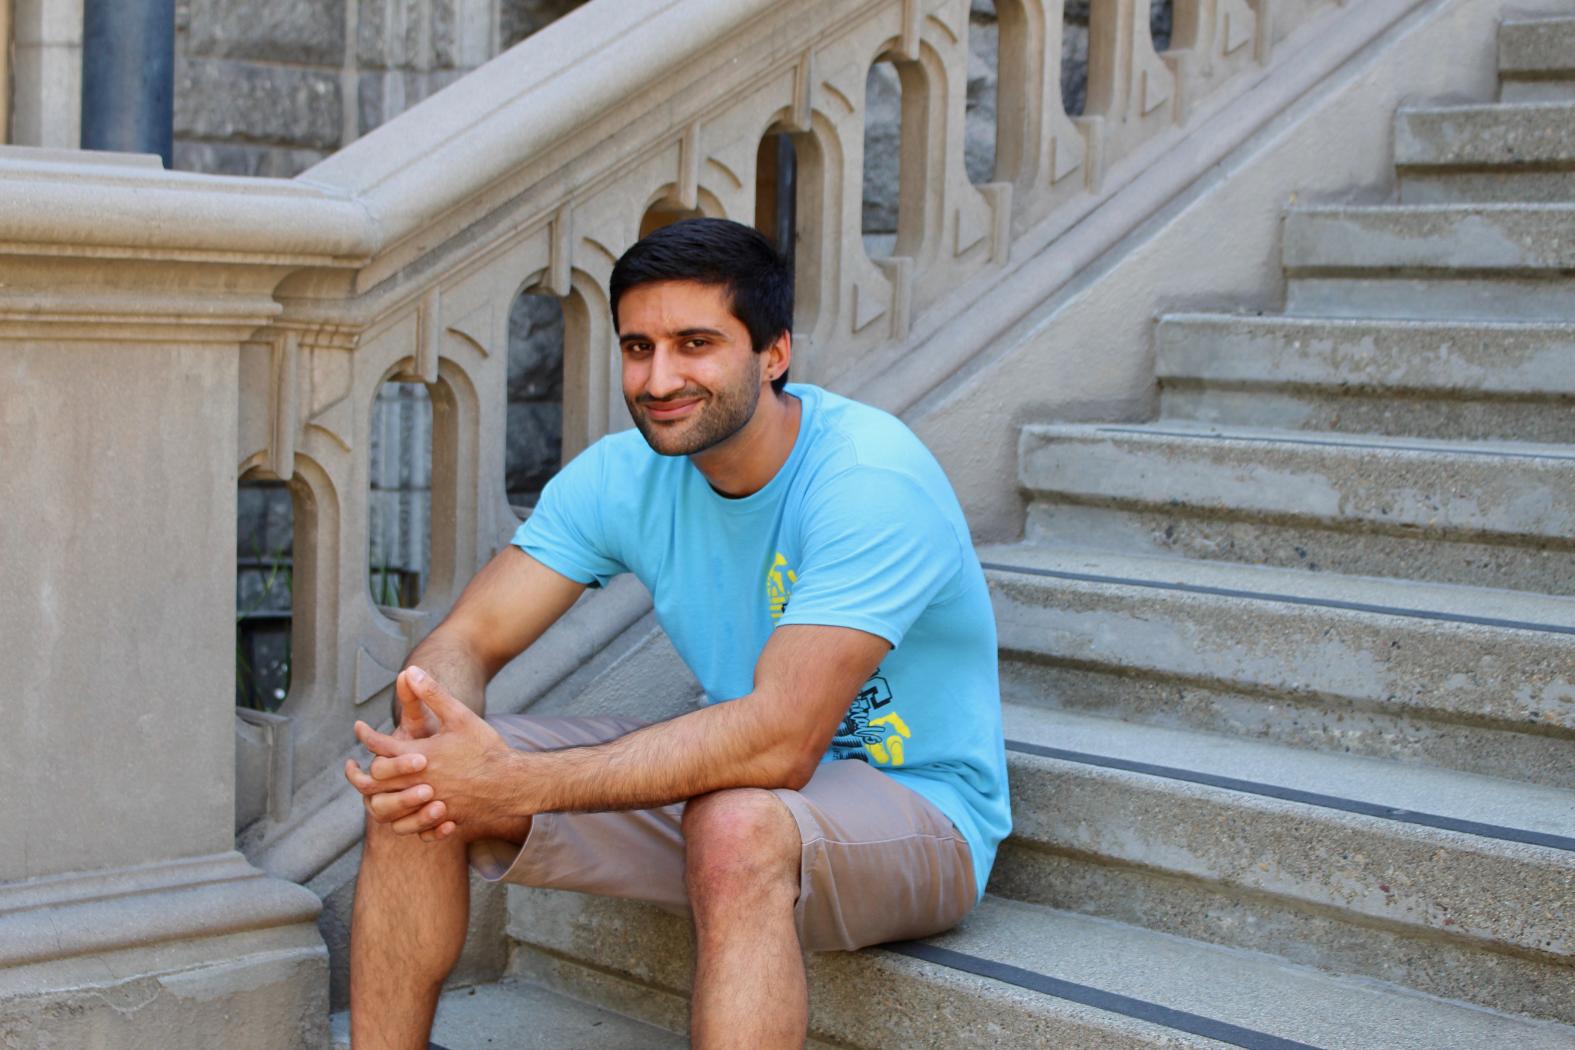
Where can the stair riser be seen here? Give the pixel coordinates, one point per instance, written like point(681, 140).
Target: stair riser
point(1350, 411)
point(1418, 186)
point(1485, 137)
point(1475, 892)
point(1349, 547)
point(1399, 667)
point(1188, 907)
point(1497, 363)
point(1498, 496)
point(639, 961)
point(1383, 295)
point(1515, 89)
point(1315, 724)
point(1512, 242)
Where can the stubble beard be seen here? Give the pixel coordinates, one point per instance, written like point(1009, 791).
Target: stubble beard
point(718, 417)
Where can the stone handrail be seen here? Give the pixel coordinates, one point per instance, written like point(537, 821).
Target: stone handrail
point(400, 257)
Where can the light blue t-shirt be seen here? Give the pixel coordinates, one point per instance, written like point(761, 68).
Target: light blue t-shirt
point(860, 528)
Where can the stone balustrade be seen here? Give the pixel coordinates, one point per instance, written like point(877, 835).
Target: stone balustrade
point(534, 174)
point(258, 319)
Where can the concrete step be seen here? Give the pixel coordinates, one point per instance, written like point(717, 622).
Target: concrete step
point(519, 1015)
point(1459, 886)
point(1017, 974)
point(1467, 380)
point(1536, 58)
point(1506, 152)
point(1491, 514)
point(1476, 261)
point(1470, 679)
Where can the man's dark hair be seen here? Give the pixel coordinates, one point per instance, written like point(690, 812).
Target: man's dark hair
point(721, 252)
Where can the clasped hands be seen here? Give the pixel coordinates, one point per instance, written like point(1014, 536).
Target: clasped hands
point(442, 768)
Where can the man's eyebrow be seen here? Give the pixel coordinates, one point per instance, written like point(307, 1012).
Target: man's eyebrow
point(631, 337)
point(685, 333)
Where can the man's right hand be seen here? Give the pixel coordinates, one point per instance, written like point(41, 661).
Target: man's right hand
point(413, 721)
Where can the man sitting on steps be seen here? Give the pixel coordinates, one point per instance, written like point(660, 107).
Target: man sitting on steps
point(811, 565)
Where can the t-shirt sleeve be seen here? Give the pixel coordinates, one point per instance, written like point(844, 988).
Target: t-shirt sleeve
point(876, 552)
point(565, 531)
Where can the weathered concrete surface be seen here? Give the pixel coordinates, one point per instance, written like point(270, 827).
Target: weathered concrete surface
point(1279, 655)
point(1343, 503)
point(257, 991)
point(1439, 379)
point(930, 1006)
point(1504, 906)
point(292, 32)
point(289, 107)
point(1537, 47)
point(1510, 152)
point(532, 1018)
point(1513, 239)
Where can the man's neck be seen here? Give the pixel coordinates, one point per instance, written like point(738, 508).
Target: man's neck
point(746, 462)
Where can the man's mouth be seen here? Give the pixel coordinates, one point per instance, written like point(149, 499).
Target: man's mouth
point(666, 411)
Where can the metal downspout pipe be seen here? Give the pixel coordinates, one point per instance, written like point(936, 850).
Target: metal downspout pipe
point(128, 76)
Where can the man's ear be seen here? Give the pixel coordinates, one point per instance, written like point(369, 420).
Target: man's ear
point(778, 356)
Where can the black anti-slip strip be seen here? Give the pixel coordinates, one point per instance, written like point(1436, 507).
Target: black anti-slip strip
point(1138, 1009)
point(1287, 599)
point(1462, 450)
point(1311, 798)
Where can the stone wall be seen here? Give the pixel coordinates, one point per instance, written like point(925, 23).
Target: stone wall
point(270, 89)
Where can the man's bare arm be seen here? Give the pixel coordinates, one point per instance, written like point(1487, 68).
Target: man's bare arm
point(774, 737)
point(506, 606)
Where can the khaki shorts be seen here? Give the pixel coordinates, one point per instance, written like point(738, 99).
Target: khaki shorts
point(879, 861)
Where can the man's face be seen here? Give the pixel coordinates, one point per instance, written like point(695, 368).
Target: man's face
point(691, 378)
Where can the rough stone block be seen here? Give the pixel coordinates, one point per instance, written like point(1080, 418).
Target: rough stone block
point(223, 99)
point(221, 158)
point(518, 19)
point(383, 96)
point(535, 349)
point(300, 32)
point(983, 84)
point(882, 148)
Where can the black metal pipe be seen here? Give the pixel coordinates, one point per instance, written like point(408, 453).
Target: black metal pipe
point(128, 76)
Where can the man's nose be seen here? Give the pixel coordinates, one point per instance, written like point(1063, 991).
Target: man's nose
point(665, 379)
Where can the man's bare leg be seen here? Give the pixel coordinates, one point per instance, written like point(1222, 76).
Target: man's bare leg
point(742, 871)
point(412, 903)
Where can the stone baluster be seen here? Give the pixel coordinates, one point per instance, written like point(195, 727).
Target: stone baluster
point(1131, 90)
point(1040, 149)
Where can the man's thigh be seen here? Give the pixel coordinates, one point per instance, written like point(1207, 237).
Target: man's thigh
point(878, 861)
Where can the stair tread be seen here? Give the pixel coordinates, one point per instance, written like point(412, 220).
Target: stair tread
point(1413, 789)
point(1188, 430)
point(523, 1016)
point(1274, 583)
point(1257, 992)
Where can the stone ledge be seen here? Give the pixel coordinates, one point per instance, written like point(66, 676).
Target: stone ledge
point(86, 914)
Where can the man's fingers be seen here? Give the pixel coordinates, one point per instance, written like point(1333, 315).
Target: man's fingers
point(382, 743)
point(402, 765)
point(424, 819)
point(395, 805)
point(439, 833)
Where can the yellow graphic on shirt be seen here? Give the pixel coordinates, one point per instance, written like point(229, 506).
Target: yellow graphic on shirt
point(867, 733)
point(779, 586)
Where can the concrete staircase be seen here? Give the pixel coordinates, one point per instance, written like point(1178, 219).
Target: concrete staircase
point(1289, 674)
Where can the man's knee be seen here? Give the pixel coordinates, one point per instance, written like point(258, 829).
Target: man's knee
point(739, 844)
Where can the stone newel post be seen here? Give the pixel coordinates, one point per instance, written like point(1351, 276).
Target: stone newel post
point(127, 919)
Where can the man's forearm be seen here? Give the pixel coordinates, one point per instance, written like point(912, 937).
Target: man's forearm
point(741, 743)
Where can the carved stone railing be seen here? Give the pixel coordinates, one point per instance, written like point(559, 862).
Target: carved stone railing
point(533, 174)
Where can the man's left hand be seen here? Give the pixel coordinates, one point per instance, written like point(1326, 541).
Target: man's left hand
point(465, 766)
